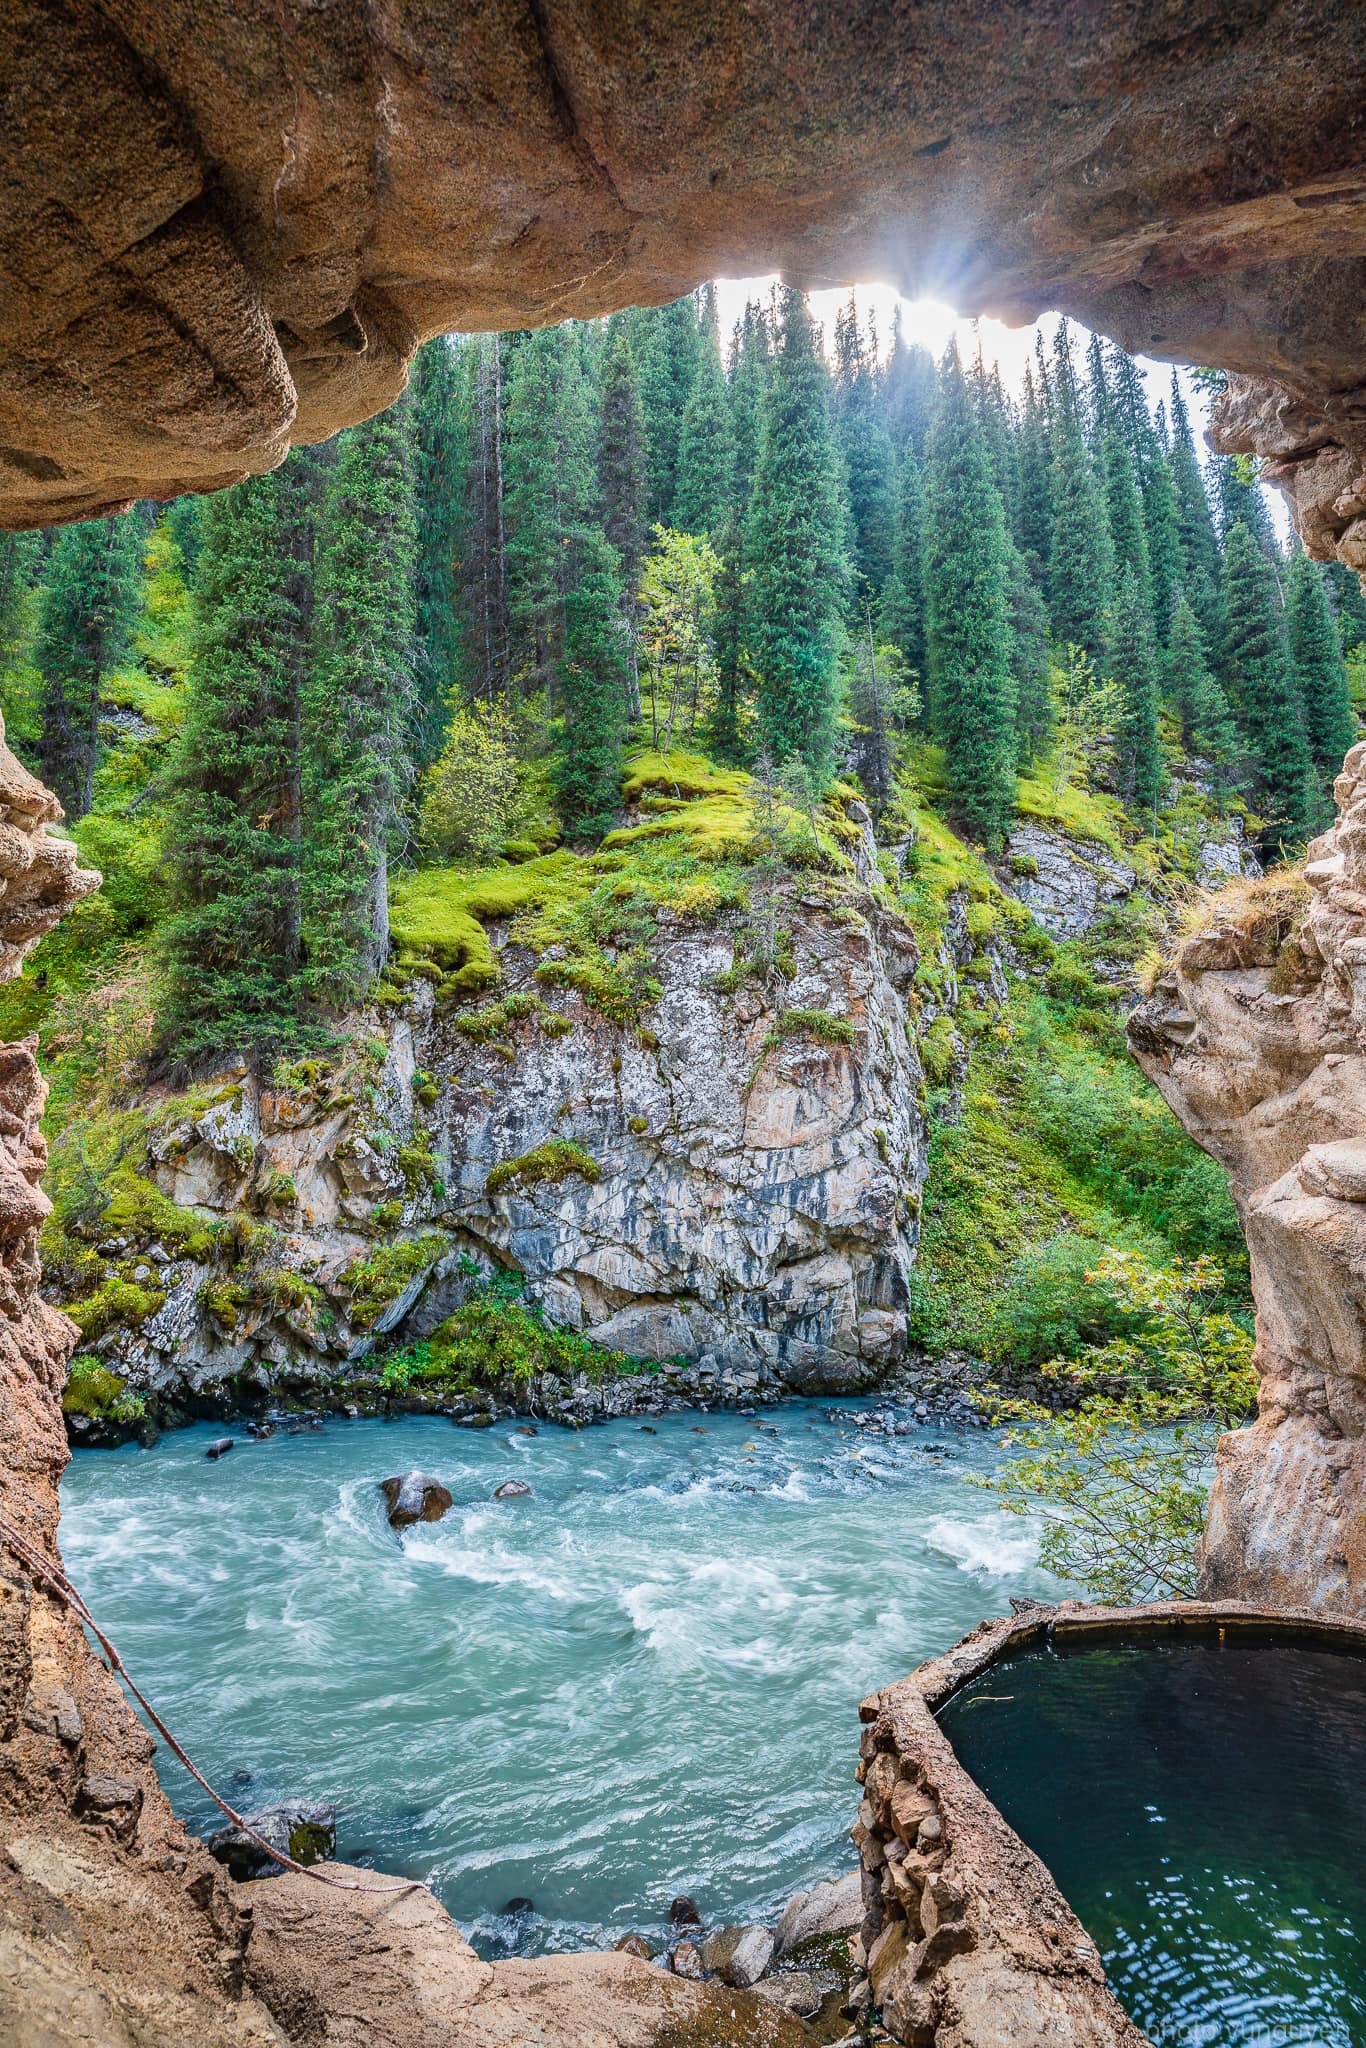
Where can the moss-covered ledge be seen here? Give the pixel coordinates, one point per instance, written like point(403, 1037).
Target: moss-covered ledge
point(962, 1919)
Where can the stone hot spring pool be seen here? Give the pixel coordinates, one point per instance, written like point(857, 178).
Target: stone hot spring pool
point(1201, 1802)
point(639, 1681)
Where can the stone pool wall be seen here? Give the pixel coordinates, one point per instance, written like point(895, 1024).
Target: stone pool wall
point(966, 1937)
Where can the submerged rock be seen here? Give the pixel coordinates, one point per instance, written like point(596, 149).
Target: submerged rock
point(683, 1912)
point(511, 1489)
point(219, 1448)
point(738, 1955)
point(635, 1945)
point(303, 1829)
point(414, 1497)
point(802, 1992)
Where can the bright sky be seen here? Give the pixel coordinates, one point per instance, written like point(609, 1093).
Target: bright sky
point(934, 326)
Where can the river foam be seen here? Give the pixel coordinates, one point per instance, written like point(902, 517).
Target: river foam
point(639, 1680)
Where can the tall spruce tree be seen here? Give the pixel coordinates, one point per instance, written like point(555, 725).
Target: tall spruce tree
point(909, 385)
point(1348, 602)
point(1257, 670)
point(623, 477)
point(967, 598)
point(903, 606)
point(750, 356)
point(234, 833)
point(1128, 533)
point(1242, 502)
point(1029, 660)
point(587, 763)
point(668, 346)
point(1131, 659)
point(1034, 457)
point(867, 452)
point(550, 495)
point(1206, 721)
point(794, 552)
point(86, 617)
point(1320, 672)
point(441, 450)
point(1080, 554)
point(1201, 567)
point(706, 445)
point(357, 703)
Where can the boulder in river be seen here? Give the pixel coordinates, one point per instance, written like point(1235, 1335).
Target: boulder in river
point(738, 1955)
point(414, 1497)
point(832, 1907)
point(683, 1912)
point(219, 1447)
point(686, 1962)
point(304, 1829)
point(802, 1992)
point(635, 1945)
point(511, 1489)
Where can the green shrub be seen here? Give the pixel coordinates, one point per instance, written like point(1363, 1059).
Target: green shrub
point(1050, 1309)
point(372, 1283)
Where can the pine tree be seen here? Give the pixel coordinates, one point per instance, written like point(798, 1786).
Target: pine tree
point(1241, 502)
point(1206, 721)
point(484, 578)
point(550, 494)
point(867, 452)
point(1029, 662)
point(357, 703)
point(908, 391)
point(1200, 560)
point(1080, 555)
point(668, 346)
point(1131, 659)
point(441, 448)
point(706, 448)
point(1320, 672)
point(1034, 457)
point(1098, 402)
point(1348, 602)
point(623, 479)
point(85, 622)
point(587, 764)
point(1164, 538)
point(794, 551)
point(1127, 531)
point(903, 608)
point(231, 948)
point(997, 436)
point(972, 698)
point(1256, 665)
point(750, 358)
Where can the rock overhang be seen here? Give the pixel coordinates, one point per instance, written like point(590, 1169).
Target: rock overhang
point(229, 227)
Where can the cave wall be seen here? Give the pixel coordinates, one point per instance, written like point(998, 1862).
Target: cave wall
point(227, 224)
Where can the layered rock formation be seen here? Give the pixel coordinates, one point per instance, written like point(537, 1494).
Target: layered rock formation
point(737, 1186)
point(1257, 1039)
point(228, 224)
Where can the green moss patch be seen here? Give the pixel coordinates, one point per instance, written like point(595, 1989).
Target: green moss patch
point(553, 1161)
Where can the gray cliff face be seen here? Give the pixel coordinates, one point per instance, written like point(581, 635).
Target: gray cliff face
point(749, 1196)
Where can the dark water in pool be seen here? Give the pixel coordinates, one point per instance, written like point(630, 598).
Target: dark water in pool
point(1203, 1809)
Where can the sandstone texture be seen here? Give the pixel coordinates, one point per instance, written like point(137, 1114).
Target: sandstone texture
point(1257, 1038)
point(228, 225)
point(967, 1940)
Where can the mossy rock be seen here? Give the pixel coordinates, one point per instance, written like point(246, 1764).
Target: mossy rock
point(553, 1161)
